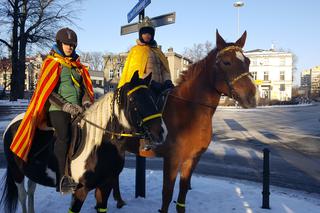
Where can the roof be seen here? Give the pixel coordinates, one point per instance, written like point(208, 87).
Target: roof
point(96, 73)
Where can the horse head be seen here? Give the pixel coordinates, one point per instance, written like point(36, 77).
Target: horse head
point(141, 109)
point(233, 71)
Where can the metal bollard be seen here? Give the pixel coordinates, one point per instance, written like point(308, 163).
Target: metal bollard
point(266, 180)
point(140, 177)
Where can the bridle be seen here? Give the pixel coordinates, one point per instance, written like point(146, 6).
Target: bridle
point(230, 83)
point(145, 134)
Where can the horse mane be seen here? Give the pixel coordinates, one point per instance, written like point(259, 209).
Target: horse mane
point(194, 69)
point(99, 113)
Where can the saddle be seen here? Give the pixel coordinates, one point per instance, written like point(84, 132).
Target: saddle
point(76, 144)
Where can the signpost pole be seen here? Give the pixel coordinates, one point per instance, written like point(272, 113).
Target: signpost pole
point(140, 161)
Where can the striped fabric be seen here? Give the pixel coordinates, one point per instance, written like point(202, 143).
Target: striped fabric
point(47, 81)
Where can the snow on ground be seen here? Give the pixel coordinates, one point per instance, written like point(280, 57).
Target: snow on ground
point(19, 102)
point(208, 195)
point(233, 108)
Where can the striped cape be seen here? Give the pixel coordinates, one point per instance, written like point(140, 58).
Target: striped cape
point(49, 76)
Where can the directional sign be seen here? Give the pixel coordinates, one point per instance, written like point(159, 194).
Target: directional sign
point(137, 9)
point(158, 21)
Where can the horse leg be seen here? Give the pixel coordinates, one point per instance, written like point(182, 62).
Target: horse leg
point(22, 195)
point(194, 164)
point(185, 183)
point(102, 195)
point(170, 171)
point(31, 189)
point(78, 198)
point(117, 195)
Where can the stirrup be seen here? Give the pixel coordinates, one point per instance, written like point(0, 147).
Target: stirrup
point(67, 185)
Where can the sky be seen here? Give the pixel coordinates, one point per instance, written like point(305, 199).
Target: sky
point(288, 24)
point(208, 194)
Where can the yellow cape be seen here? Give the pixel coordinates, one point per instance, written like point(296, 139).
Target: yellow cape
point(137, 60)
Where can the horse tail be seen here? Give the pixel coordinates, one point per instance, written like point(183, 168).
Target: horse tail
point(9, 198)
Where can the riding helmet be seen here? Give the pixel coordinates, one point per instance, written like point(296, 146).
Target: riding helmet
point(146, 26)
point(67, 36)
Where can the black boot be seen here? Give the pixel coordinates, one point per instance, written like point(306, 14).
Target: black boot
point(65, 183)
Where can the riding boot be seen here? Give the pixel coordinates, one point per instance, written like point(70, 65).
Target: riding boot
point(65, 184)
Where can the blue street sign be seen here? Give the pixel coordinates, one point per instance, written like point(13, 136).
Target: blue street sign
point(137, 9)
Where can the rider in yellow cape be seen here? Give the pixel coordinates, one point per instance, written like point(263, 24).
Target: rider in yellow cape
point(147, 58)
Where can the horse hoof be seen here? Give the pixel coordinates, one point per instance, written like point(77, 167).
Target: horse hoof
point(120, 204)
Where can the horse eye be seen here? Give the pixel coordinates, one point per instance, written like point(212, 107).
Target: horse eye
point(226, 63)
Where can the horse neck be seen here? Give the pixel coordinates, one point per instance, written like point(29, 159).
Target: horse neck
point(96, 119)
point(199, 85)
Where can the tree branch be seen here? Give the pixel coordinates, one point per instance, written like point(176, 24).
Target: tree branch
point(6, 43)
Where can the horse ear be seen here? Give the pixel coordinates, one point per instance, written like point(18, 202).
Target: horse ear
point(135, 76)
point(241, 41)
point(148, 79)
point(220, 42)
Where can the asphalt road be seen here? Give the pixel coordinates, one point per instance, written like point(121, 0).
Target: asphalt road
point(292, 135)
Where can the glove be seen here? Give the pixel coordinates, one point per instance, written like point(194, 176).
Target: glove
point(167, 85)
point(73, 109)
point(155, 86)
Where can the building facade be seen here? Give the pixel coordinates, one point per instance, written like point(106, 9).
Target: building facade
point(315, 81)
point(177, 64)
point(305, 83)
point(33, 66)
point(273, 73)
point(114, 64)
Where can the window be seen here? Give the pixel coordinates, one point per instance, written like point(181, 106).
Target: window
point(254, 62)
point(282, 75)
point(110, 74)
point(266, 76)
point(265, 61)
point(118, 72)
point(254, 75)
point(282, 87)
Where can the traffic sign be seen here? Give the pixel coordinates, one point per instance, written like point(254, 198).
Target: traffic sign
point(137, 9)
point(158, 21)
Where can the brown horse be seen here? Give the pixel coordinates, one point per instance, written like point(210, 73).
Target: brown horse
point(189, 110)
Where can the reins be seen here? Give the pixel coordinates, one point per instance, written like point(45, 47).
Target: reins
point(193, 102)
point(113, 133)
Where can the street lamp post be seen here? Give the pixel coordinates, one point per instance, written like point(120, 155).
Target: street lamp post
point(238, 4)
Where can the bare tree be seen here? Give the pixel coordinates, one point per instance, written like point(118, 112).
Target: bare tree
point(94, 59)
point(198, 51)
point(32, 22)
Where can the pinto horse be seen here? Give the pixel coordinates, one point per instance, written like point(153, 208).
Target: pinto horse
point(128, 110)
point(189, 109)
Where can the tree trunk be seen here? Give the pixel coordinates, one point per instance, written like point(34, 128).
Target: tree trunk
point(14, 54)
point(22, 50)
